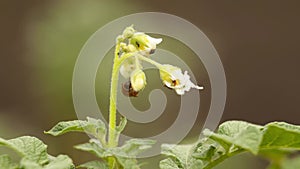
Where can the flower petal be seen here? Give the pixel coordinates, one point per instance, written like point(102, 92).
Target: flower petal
point(145, 44)
point(173, 78)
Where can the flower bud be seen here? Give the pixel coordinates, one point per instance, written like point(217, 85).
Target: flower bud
point(128, 32)
point(138, 80)
point(127, 48)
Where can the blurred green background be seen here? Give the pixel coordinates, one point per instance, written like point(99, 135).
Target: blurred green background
point(257, 41)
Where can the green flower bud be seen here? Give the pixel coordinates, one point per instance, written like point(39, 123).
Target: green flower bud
point(128, 32)
point(127, 48)
point(138, 80)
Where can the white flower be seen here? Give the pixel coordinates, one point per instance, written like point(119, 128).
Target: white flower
point(173, 78)
point(139, 42)
point(145, 44)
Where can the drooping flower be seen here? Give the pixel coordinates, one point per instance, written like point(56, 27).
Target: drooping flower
point(137, 42)
point(145, 44)
point(173, 78)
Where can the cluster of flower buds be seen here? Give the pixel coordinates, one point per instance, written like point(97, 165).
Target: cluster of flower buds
point(141, 44)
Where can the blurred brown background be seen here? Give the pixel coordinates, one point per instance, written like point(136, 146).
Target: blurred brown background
point(258, 43)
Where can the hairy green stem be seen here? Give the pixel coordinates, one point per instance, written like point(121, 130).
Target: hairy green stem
point(112, 142)
point(112, 139)
point(117, 62)
point(158, 65)
point(112, 134)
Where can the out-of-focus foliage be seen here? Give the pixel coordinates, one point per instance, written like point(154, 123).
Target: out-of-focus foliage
point(33, 154)
point(273, 141)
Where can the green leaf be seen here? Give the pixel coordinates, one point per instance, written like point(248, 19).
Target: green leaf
point(94, 165)
point(179, 152)
point(95, 147)
point(67, 126)
point(133, 147)
point(60, 162)
point(241, 134)
point(233, 128)
point(125, 154)
point(30, 147)
point(169, 164)
point(34, 155)
point(279, 135)
point(6, 162)
point(97, 128)
point(92, 126)
point(128, 163)
point(121, 125)
point(120, 128)
point(274, 141)
point(205, 152)
point(29, 164)
point(180, 156)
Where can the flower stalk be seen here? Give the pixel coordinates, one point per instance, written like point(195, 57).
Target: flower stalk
point(131, 48)
point(112, 142)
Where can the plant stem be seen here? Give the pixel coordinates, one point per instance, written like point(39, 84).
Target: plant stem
point(117, 62)
point(158, 65)
point(112, 142)
point(112, 135)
